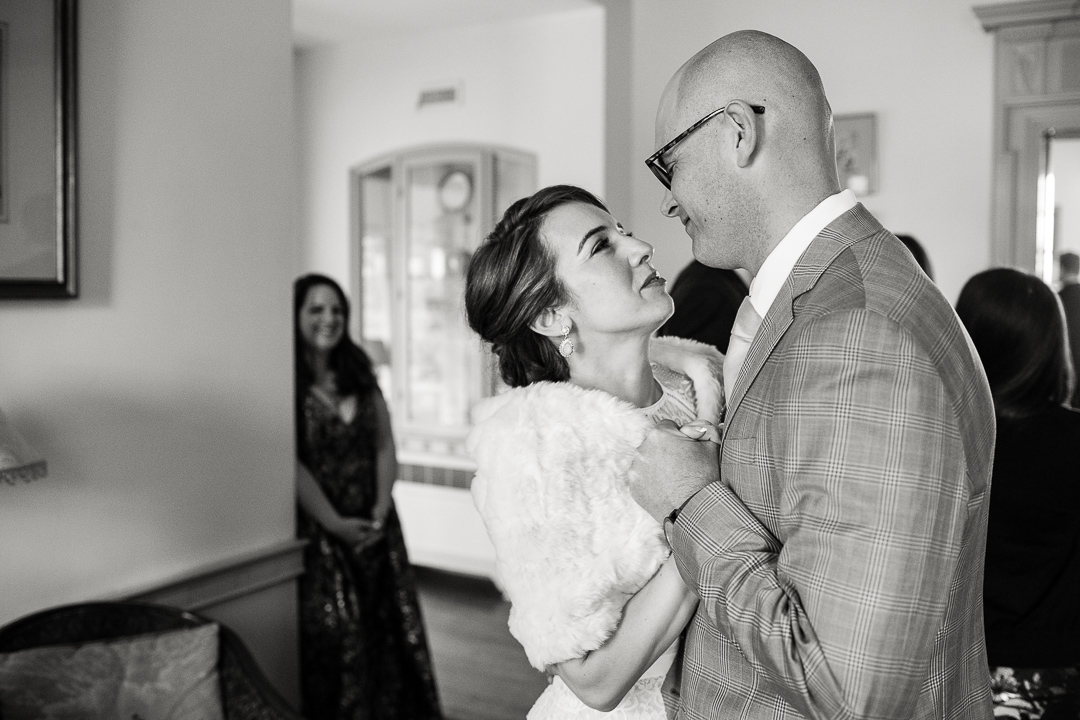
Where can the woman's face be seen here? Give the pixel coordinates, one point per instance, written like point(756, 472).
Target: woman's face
point(322, 319)
point(614, 288)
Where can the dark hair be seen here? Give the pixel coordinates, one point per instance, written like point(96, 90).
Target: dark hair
point(1018, 326)
point(917, 251)
point(1070, 263)
point(511, 280)
point(351, 365)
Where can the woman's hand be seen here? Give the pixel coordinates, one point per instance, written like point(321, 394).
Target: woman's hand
point(379, 514)
point(358, 533)
point(701, 430)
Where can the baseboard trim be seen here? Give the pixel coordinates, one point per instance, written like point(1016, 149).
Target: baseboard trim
point(226, 580)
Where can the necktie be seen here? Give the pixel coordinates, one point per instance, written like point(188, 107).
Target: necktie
point(747, 322)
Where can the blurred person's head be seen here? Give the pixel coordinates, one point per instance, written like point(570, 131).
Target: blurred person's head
point(321, 314)
point(918, 252)
point(321, 335)
point(1069, 263)
point(1018, 326)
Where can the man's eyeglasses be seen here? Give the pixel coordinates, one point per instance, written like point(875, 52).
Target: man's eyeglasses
point(656, 161)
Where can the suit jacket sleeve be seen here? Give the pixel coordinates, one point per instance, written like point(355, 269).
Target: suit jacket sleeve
point(838, 607)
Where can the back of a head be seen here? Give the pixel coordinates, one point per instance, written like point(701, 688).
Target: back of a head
point(918, 252)
point(511, 280)
point(1069, 263)
point(1018, 327)
point(760, 68)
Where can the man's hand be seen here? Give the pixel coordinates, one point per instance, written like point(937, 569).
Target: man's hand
point(669, 467)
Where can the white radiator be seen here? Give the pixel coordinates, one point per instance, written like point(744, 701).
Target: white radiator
point(442, 529)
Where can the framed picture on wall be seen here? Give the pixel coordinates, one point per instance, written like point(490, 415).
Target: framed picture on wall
point(37, 149)
point(856, 152)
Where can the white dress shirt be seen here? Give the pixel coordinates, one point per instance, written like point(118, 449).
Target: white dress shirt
point(780, 262)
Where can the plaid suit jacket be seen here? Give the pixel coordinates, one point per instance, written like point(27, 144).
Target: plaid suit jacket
point(839, 559)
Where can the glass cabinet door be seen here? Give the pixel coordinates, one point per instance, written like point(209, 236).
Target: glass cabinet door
point(374, 316)
point(421, 216)
point(442, 374)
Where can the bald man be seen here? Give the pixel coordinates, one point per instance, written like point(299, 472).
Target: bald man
point(836, 535)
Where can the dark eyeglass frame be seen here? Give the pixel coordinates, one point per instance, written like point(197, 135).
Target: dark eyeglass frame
point(655, 161)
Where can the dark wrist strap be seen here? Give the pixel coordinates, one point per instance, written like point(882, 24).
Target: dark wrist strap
point(669, 521)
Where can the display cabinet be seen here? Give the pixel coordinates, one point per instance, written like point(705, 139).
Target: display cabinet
point(419, 216)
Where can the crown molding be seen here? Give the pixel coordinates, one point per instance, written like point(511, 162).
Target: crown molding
point(1025, 12)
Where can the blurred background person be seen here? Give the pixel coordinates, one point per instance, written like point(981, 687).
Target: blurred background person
point(363, 649)
point(918, 252)
point(706, 302)
point(1031, 590)
point(1069, 264)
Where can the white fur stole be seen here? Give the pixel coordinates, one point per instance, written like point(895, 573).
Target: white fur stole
point(552, 488)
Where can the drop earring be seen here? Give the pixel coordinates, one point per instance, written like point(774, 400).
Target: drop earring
point(566, 347)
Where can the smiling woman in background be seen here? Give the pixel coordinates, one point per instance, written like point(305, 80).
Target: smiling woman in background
point(362, 644)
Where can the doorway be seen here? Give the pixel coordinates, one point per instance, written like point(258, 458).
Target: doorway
point(1059, 221)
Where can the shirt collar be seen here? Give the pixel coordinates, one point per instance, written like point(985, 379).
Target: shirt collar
point(778, 265)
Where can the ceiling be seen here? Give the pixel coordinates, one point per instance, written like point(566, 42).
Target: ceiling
point(318, 22)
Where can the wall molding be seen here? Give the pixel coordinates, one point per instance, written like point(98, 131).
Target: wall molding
point(226, 580)
point(1025, 12)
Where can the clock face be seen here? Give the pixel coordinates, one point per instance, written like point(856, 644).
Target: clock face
point(455, 190)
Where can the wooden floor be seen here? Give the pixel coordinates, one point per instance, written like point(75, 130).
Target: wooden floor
point(481, 671)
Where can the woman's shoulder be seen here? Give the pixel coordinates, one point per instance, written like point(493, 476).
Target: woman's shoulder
point(550, 398)
point(551, 482)
point(540, 412)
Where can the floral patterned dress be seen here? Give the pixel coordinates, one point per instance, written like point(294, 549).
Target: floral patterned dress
point(363, 650)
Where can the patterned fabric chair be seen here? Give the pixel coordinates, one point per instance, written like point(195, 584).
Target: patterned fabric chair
point(245, 691)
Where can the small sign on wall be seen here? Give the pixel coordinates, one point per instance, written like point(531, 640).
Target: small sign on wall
point(856, 152)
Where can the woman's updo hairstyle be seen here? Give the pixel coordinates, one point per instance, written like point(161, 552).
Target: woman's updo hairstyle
point(511, 281)
point(1018, 327)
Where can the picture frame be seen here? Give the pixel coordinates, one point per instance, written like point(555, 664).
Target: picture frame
point(856, 152)
point(38, 172)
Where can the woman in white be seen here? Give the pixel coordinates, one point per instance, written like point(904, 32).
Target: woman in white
point(569, 301)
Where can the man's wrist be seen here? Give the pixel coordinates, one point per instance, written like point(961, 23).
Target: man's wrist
point(669, 521)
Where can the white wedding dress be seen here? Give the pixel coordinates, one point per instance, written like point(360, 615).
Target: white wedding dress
point(643, 702)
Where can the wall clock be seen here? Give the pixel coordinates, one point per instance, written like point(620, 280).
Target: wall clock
point(455, 190)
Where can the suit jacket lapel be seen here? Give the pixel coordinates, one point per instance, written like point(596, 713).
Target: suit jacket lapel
point(837, 236)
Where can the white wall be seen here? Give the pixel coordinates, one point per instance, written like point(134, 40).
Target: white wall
point(1065, 156)
point(925, 67)
point(534, 84)
point(162, 396)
